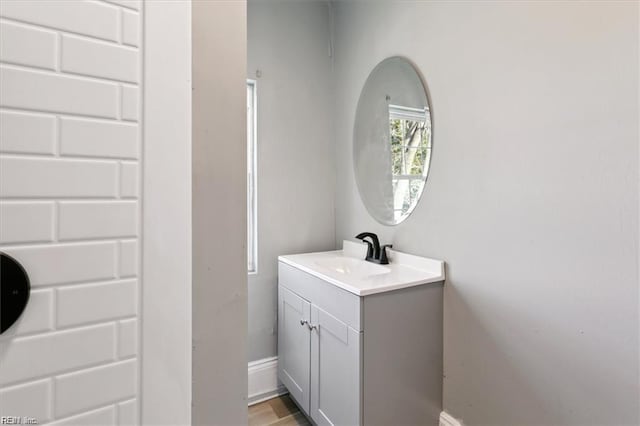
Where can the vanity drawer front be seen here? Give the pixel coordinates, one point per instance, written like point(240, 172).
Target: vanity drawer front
point(338, 302)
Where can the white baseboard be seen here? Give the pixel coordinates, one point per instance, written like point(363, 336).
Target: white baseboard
point(447, 419)
point(263, 380)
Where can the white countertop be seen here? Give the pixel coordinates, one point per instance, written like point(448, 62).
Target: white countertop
point(348, 270)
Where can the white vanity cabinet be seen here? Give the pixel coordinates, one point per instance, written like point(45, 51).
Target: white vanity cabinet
point(348, 359)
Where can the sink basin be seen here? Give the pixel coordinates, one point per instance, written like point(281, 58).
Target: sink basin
point(348, 270)
point(352, 266)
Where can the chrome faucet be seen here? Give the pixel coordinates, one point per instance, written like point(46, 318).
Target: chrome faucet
point(375, 253)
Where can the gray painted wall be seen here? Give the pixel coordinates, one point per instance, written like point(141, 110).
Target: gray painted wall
point(289, 42)
point(219, 219)
point(532, 198)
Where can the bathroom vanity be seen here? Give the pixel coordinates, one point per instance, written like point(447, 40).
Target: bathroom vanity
point(361, 343)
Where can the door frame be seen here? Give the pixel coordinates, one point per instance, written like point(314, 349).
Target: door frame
point(166, 313)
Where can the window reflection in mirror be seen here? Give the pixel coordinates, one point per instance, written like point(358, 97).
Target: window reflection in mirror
point(392, 140)
point(410, 137)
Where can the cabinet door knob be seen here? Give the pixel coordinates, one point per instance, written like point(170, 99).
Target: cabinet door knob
point(312, 327)
point(303, 322)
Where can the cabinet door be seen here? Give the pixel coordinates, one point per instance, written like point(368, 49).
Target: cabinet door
point(294, 345)
point(335, 371)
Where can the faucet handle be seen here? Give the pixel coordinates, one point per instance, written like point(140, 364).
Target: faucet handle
point(384, 260)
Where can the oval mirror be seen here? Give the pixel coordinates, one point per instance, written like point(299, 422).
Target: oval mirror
point(392, 140)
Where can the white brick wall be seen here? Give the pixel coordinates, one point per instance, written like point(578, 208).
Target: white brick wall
point(70, 164)
point(27, 132)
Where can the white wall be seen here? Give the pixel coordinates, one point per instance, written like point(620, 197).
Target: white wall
point(219, 213)
point(166, 309)
point(288, 41)
point(73, 169)
point(532, 197)
point(70, 169)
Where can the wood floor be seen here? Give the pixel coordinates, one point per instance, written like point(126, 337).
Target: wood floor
point(280, 411)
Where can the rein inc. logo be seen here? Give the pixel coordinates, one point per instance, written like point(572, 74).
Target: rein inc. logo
point(16, 420)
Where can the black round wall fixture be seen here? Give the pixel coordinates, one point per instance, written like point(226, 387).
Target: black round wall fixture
point(14, 291)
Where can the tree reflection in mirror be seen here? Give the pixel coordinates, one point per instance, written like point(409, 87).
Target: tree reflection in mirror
point(410, 140)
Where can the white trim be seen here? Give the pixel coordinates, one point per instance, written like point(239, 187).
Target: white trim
point(447, 419)
point(263, 380)
point(253, 157)
point(165, 365)
point(399, 112)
